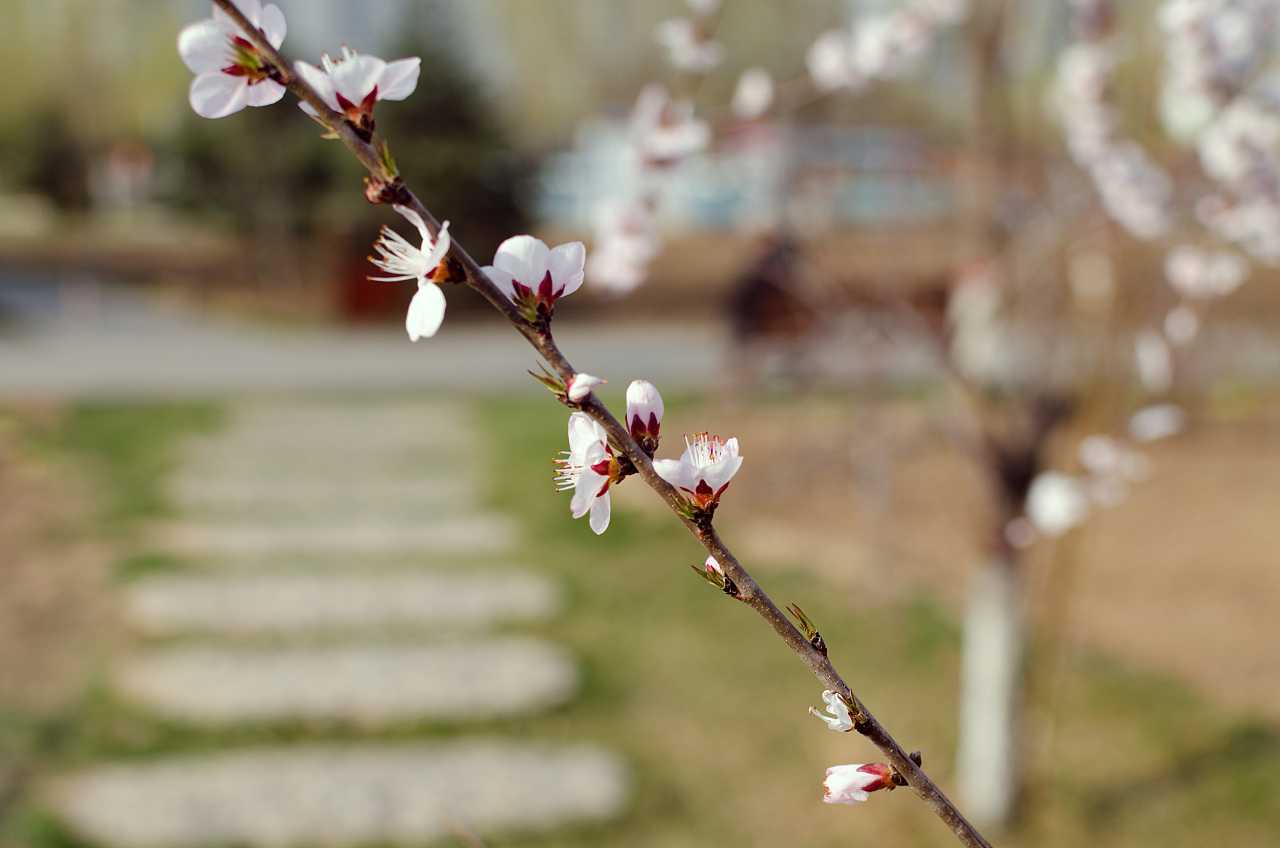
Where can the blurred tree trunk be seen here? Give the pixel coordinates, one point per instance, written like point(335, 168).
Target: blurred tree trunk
point(989, 755)
point(989, 761)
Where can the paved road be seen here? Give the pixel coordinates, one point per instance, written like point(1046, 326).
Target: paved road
point(82, 339)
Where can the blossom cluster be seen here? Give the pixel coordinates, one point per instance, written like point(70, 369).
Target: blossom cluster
point(1133, 188)
point(880, 46)
point(663, 132)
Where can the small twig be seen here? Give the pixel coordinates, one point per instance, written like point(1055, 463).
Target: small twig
point(749, 592)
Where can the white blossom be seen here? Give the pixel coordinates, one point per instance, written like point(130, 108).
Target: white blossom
point(1181, 325)
point(587, 470)
point(665, 131)
point(754, 94)
point(1156, 422)
point(830, 62)
point(534, 276)
point(704, 469)
point(853, 783)
point(581, 385)
point(1154, 361)
point(688, 46)
point(231, 73)
point(353, 83)
point(837, 716)
point(644, 411)
point(1056, 503)
point(402, 261)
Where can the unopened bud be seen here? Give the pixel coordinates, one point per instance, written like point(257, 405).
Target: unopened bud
point(644, 414)
point(853, 783)
point(580, 385)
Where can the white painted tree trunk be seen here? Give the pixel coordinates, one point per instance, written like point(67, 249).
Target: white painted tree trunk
point(989, 765)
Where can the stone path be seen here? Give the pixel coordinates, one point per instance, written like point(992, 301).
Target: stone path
point(341, 576)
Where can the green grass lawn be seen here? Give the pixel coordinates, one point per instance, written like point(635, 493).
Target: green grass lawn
point(705, 704)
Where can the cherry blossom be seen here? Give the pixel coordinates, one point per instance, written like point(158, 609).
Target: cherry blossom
point(1154, 361)
point(580, 385)
point(754, 94)
point(644, 414)
point(353, 83)
point(1199, 274)
point(1157, 422)
point(705, 469)
point(1056, 503)
point(231, 73)
point(663, 130)
point(853, 783)
point(830, 62)
point(587, 469)
point(534, 276)
point(837, 715)
point(402, 261)
point(689, 46)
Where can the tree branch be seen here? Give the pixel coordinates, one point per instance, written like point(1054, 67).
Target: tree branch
point(749, 592)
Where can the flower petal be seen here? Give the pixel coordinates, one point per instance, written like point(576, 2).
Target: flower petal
point(566, 263)
point(273, 24)
point(203, 46)
point(216, 95)
point(525, 258)
point(318, 80)
point(414, 218)
point(720, 472)
point(264, 93)
point(502, 280)
point(584, 434)
point(600, 511)
point(355, 77)
point(675, 472)
point(585, 491)
point(426, 311)
point(399, 79)
point(251, 9)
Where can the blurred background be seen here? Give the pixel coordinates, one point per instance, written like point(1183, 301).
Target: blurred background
point(274, 576)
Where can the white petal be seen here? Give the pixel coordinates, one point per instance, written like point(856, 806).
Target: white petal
point(719, 473)
point(600, 510)
point(584, 432)
point(216, 95)
point(585, 491)
point(273, 24)
point(566, 263)
point(675, 472)
point(354, 78)
point(426, 312)
point(414, 218)
point(441, 249)
point(399, 79)
point(204, 47)
point(251, 9)
point(525, 258)
point(318, 80)
point(264, 93)
point(502, 280)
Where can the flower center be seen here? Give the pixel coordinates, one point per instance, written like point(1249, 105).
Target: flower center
point(247, 61)
point(705, 449)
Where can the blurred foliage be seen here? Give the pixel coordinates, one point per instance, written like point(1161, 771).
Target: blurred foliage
point(44, 155)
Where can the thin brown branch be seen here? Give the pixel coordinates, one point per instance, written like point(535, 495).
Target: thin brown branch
point(749, 592)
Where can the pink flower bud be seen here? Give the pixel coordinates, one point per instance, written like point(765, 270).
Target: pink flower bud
point(713, 567)
point(853, 783)
point(580, 385)
point(644, 413)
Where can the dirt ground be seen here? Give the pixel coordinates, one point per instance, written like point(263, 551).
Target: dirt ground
point(52, 605)
point(1183, 577)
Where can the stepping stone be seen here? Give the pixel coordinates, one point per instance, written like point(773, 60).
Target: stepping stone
point(418, 497)
point(479, 534)
point(292, 603)
point(366, 685)
point(337, 796)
